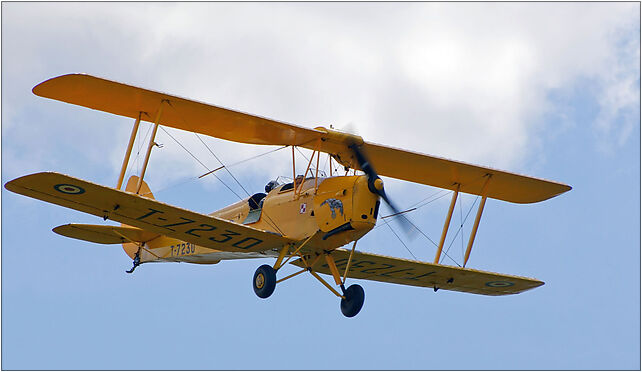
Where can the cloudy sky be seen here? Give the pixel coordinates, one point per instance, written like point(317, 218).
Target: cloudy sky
point(545, 89)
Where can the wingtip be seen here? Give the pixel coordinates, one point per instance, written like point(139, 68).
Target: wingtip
point(41, 88)
point(14, 186)
point(58, 228)
point(11, 185)
point(564, 189)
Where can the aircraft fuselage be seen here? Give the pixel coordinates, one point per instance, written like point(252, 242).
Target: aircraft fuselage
point(338, 211)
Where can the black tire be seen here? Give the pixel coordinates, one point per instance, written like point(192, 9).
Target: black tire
point(264, 281)
point(353, 301)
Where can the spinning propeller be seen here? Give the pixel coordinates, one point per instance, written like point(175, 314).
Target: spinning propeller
point(375, 184)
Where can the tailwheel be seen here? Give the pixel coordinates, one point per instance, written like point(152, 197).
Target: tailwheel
point(353, 301)
point(264, 281)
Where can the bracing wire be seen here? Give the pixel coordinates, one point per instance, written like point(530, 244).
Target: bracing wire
point(190, 179)
point(193, 156)
point(421, 203)
point(271, 222)
point(219, 160)
point(185, 122)
point(201, 163)
point(326, 163)
point(425, 202)
point(427, 237)
point(256, 156)
point(461, 227)
point(422, 233)
point(452, 259)
point(404, 244)
point(418, 206)
point(302, 154)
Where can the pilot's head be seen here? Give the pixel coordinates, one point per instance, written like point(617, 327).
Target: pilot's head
point(270, 186)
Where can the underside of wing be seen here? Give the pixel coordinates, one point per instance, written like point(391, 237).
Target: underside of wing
point(144, 213)
point(105, 234)
point(421, 274)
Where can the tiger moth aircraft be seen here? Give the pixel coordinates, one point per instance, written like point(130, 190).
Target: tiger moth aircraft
point(305, 222)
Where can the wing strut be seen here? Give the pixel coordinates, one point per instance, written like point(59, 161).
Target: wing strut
point(446, 224)
point(345, 274)
point(308, 169)
point(150, 145)
point(477, 219)
point(293, 173)
point(128, 152)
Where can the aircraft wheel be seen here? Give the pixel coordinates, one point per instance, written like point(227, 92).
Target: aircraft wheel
point(264, 281)
point(353, 301)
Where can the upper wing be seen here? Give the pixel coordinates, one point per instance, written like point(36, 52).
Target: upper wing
point(127, 100)
point(446, 174)
point(144, 213)
point(421, 274)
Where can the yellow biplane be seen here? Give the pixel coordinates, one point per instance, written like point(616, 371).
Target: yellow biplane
point(308, 219)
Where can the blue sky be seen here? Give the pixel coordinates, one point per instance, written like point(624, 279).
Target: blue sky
point(545, 89)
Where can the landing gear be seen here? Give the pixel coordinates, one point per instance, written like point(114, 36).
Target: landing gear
point(264, 281)
point(353, 301)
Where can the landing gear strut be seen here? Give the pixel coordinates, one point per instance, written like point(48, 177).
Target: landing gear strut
point(352, 298)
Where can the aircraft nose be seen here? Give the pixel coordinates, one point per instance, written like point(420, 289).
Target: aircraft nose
point(364, 201)
point(378, 184)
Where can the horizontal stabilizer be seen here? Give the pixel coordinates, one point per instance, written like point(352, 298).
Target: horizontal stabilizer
point(104, 234)
point(422, 274)
point(145, 213)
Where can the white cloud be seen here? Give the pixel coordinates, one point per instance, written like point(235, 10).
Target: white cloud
point(465, 81)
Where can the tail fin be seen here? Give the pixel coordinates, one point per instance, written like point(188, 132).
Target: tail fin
point(144, 189)
point(131, 248)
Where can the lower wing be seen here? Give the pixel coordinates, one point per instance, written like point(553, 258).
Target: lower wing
point(144, 213)
point(421, 274)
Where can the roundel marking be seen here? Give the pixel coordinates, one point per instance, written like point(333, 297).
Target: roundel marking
point(69, 189)
point(499, 284)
